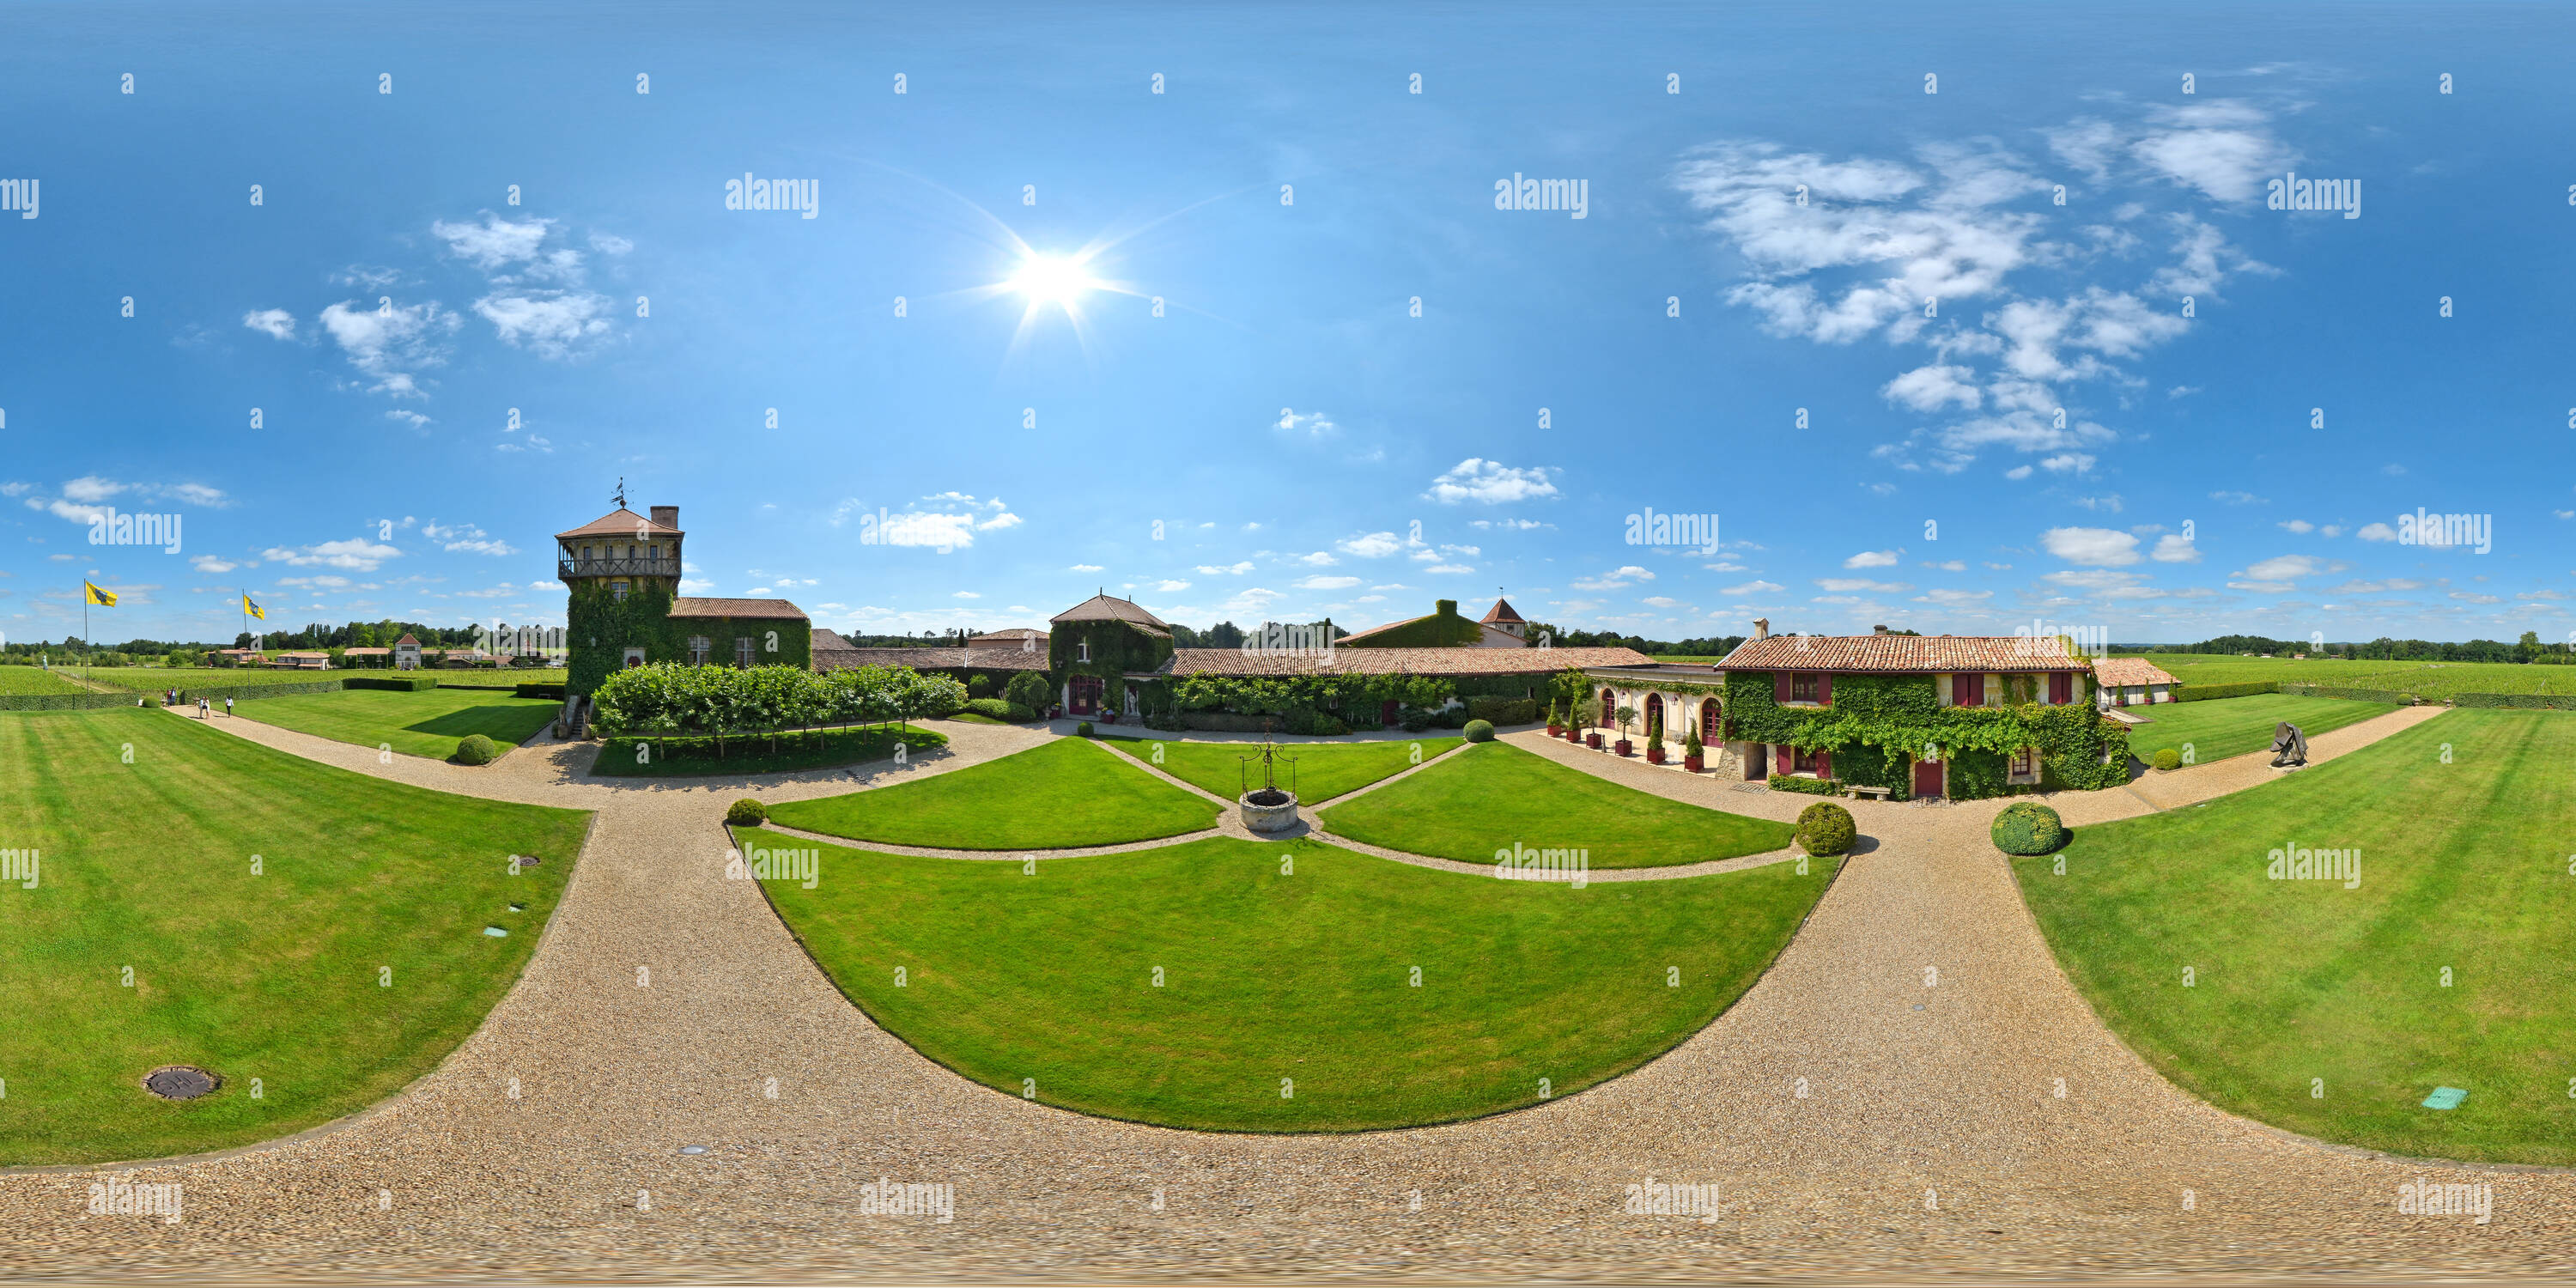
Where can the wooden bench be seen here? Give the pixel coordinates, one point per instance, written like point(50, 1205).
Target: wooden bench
point(1874, 793)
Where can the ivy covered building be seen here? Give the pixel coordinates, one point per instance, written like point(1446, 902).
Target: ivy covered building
point(621, 572)
point(1956, 716)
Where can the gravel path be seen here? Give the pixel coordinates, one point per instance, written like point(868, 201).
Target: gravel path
point(1930, 1142)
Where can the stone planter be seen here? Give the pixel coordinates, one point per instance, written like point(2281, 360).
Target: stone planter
point(1694, 764)
point(1554, 730)
point(1269, 818)
point(1592, 740)
point(1654, 755)
point(1624, 747)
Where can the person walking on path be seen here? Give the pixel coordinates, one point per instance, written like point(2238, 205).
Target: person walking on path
point(201, 708)
point(228, 706)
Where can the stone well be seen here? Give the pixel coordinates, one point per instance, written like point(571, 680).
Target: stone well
point(1269, 818)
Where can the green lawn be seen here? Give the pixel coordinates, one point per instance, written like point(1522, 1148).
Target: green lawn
point(2464, 866)
point(1056, 795)
point(698, 757)
point(1493, 796)
point(153, 679)
point(1323, 770)
point(427, 723)
point(274, 977)
point(2224, 727)
point(1269, 974)
point(34, 679)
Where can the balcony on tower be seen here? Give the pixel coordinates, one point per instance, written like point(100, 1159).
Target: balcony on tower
point(623, 545)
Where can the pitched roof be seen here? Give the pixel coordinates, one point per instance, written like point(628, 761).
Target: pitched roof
point(1902, 653)
point(919, 659)
point(1110, 608)
point(1375, 631)
point(408, 638)
point(620, 522)
point(773, 609)
point(1011, 636)
point(1500, 613)
point(1393, 661)
point(2130, 670)
point(363, 652)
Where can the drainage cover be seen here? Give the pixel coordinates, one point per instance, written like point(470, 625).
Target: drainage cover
point(179, 1082)
point(693, 1149)
point(518, 907)
point(496, 932)
point(2445, 1098)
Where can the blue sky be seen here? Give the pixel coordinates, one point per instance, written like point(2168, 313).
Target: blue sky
point(1287, 439)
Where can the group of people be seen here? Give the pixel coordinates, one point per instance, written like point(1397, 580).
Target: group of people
point(205, 706)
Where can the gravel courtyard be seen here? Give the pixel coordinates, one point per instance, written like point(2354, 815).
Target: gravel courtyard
point(1855, 1121)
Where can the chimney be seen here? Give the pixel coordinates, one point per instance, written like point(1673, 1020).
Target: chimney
point(1446, 607)
point(1761, 628)
point(667, 516)
point(1878, 630)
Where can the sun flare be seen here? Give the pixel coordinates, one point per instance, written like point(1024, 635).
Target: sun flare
point(1060, 280)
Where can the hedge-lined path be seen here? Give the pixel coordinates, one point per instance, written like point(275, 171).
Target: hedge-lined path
point(1930, 1142)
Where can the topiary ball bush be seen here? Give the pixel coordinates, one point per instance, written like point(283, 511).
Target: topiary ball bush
point(1825, 828)
point(475, 749)
point(746, 813)
point(1480, 731)
point(2168, 758)
point(2028, 827)
point(1082, 730)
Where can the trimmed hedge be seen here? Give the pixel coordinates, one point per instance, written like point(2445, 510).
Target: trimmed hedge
point(2028, 827)
point(69, 701)
point(475, 749)
point(1480, 731)
point(2168, 758)
point(1811, 786)
point(399, 683)
point(537, 689)
point(1503, 711)
point(2206, 692)
point(1825, 828)
point(2534, 701)
point(746, 813)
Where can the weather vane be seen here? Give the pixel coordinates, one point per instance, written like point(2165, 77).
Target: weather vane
point(621, 491)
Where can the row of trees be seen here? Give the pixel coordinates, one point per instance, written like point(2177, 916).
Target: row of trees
point(667, 699)
point(2528, 649)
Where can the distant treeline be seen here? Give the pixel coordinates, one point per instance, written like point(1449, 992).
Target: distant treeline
point(2528, 649)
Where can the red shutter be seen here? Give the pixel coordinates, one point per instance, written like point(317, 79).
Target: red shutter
point(1969, 690)
point(2061, 688)
point(1779, 686)
point(1824, 764)
point(1824, 690)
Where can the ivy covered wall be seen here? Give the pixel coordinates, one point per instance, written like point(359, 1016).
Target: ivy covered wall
point(1902, 715)
point(599, 628)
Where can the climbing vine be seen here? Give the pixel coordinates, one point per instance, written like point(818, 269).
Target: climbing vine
point(1903, 715)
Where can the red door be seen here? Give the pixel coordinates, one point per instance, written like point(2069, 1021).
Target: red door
point(1708, 722)
point(1386, 711)
point(1927, 779)
point(1609, 710)
point(1086, 695)
point(1654, 714)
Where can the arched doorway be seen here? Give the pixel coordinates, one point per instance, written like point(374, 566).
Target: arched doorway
point(1609, 709)
point(1711, 722)
point(1654, 715)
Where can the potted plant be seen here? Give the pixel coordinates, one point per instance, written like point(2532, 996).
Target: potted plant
point(1655, 747)
point(1554, 725)
point(1693, 760)
point(1626, 716)
point(1592, 739)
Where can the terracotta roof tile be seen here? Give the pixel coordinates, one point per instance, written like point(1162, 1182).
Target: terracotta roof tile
point(1390, 661)
point(1501, 612)
point(620, 523)
point(919, 659)
point(2130, 670)
point(1901, 653)
point(774, 609)
point(1110, 608)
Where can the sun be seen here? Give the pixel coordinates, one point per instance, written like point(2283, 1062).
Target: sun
point(1059, 280)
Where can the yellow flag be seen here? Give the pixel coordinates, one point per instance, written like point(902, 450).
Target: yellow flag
point(253, 609)
point(102, 598)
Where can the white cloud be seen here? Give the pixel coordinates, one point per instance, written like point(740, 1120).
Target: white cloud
point(277, 324)
point(2298, 525)
point(394, 346)
point(1313, 424)
point(1373, 545)
point(1093, 568)
point(1954, 598)
point(1222, 570)
point(2471, 597)
point(1753, 588)
point(1318, 559)
point(411, 418)
point(481, 547)
point(1449, 569)
point(2236, 498)
point(356, 555)
point(610, 244)
point(494, 244)
point(1611, 580)
point(2017, 472)
point(91, 488)
point(2173, 547)
point(959, 594)
point(1168, 587)
point(2068, 463)
point(1948, 565)
point(1934, 387)
point(1326, 583)
point(1476, 479)
point(1873, 559)
point(1850, 585)
point(211, 564)
point(2101, 547)
point(1660, 601)
point(2377, 532)
point(553, 324)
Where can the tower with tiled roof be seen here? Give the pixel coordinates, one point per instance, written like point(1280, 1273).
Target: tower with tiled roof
point(621, 574)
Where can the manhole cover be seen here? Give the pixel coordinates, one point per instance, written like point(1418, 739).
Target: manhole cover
point(180, 1082)
point(496, 932)
point(693, 1149)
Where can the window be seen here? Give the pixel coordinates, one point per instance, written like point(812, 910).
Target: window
point(1802, 688)
point(617, 591)
point(742, 650)
point(701, 650)
point(1802, 760)
point(2025, 762)
point(1082, 651)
